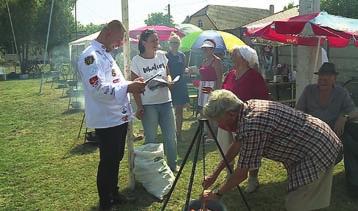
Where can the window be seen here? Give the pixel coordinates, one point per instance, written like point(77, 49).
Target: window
point(200, 23)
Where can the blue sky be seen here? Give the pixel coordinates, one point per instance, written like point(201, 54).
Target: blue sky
point(102, 11)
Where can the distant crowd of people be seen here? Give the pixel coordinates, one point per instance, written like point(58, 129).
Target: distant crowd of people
point(309, 139)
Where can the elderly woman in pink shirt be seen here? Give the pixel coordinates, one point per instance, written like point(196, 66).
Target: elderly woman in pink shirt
point(246, 83)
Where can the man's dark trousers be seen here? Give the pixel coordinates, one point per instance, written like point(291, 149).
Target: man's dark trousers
point(111, 151)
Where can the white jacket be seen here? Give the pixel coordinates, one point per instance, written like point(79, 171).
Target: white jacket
point(105, 88)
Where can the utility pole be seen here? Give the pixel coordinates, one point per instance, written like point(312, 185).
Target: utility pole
point(307, 56)
point(169, 12)
point(126, 55)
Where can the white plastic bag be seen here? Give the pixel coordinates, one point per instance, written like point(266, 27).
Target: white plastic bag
point(151, 170)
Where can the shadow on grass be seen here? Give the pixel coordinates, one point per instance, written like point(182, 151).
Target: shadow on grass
point(188, 138)
point(142, 200)
point(271, 196)
point(64, 96)
point(81, 149)
point(72, 111)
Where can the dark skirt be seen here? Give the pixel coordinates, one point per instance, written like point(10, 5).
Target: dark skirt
point(350, 147)
point(179, 93)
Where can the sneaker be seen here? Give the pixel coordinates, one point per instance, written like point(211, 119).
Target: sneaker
point(252, 185)
point(138, 137)
point(209, 140)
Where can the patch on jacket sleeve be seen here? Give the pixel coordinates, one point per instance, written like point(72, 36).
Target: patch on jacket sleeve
point(114, 74)
point(125, 118)
point(89, 60)
point(94, 81)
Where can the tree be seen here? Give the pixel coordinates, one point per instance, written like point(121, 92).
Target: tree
point(30, 21)
point(89, 28)
point(289, 6)
point(158, 18)
point(345, 8)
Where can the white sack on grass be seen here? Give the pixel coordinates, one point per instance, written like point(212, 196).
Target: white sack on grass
point(151, 170)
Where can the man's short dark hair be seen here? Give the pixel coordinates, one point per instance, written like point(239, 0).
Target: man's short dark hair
point(114, 24)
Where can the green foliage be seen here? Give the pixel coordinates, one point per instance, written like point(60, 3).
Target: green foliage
point(289, 6)
point(62, 20)
point(345, 8)
point(89, 28)
point(30, 20)
point(159, 18)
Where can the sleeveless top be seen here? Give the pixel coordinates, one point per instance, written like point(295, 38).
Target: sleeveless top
point(207, 72)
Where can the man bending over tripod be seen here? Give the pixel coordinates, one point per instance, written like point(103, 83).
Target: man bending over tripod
point(306, 146)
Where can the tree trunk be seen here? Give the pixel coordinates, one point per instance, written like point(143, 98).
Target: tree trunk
point(22, 62)
point(26, 57)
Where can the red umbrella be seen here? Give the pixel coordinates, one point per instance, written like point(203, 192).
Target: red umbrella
point(338, 31)
point(163, 32)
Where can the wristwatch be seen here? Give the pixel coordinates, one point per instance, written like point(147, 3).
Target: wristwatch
point(217, 192)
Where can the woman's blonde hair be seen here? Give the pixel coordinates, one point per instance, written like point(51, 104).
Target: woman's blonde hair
point(220, 102)
point(174, 37)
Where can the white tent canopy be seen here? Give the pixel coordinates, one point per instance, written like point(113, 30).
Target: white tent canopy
point(87, 39)
point(84, 40)
point(81, 43)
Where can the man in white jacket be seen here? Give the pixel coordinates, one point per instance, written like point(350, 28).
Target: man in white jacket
point(107, 107)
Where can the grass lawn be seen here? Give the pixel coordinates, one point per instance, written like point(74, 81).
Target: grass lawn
point(43, 166)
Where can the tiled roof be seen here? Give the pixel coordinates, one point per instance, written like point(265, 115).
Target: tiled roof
point(277, 16)
point(230, 17)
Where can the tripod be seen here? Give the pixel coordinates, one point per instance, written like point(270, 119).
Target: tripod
point(198, 137)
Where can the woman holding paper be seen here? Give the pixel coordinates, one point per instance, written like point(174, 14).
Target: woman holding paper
point(154, 106)
point(179, 91)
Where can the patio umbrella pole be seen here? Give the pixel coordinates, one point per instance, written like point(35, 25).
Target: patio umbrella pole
point(189, 58)
point(316, 59)
point(291, 59)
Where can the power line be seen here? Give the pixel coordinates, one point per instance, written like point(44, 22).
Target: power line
point(186, 4)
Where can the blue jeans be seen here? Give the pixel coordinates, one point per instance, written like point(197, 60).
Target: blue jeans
point(163, 115)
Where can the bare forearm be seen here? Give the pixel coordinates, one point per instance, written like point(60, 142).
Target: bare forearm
point(138, 100)
point(219, 75)
point(219, 79)
point(236, 178)
point(230, 155)
point(219, 83)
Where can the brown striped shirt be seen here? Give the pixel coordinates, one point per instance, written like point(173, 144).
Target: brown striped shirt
point(304, 144)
